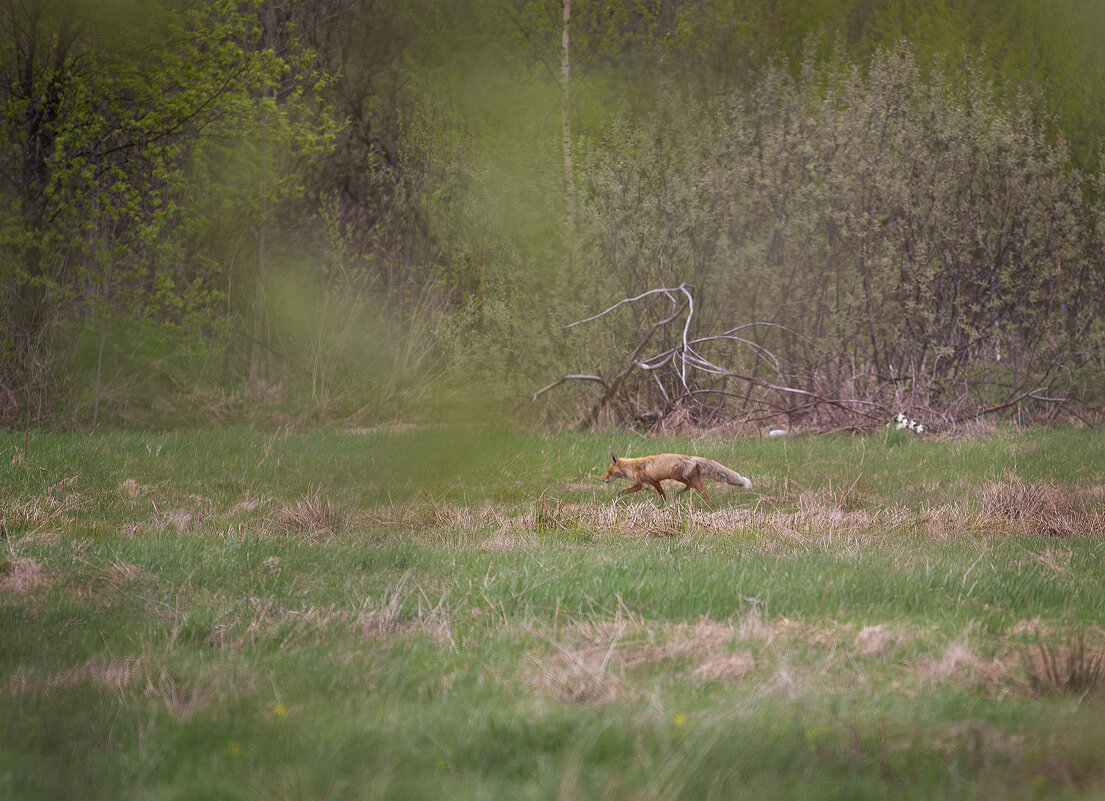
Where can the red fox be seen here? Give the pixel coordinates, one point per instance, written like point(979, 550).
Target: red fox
point(690, 470)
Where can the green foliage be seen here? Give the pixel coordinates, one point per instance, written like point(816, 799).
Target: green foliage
point(106, 110)
point(807, 164)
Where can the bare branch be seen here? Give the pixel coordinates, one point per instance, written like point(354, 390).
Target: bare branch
point(661, 291)
point(686, 328)
point(1013, 401)
point(593, 415)
point(562, 379)
point(683, 358)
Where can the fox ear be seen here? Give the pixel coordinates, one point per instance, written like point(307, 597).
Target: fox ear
point(613, 459)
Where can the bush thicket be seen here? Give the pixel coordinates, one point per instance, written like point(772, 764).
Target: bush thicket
point(874, 239)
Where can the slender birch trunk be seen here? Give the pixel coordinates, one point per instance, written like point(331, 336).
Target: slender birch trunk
point(565, 122)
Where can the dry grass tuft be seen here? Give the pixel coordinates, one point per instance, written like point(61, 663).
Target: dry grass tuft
point(136, 675)
point(468, 518)
point(434, 514)
point(39, 514)
point(875, 640)
point(1055, 668)
point(1042, 509)
point(384, 619)
point(63, 490)
point(753, 627)
point(181, 513)
point(585, 676)
point(725, 667)
point(315, 516)
point(504, 542)
point(120, 572)
point(388, 617)
point(132, 491)
point(389, 429)
point(180, 520)
point(783, 682)
point(815, 519)
point(247, 506)
point(959, 662)
point(181, 698)
point(22, 574)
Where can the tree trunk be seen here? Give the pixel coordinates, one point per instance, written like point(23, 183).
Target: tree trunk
point(565, 122)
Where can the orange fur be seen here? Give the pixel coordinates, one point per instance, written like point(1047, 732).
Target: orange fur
point(689, 470)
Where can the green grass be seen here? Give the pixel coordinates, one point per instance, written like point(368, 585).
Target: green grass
point(467, 614)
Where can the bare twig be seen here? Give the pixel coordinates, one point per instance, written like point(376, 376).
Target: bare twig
point(623, 301)
point(1030, 394)
point(564, 378)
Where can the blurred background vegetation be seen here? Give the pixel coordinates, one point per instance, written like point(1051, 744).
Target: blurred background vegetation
point(365, 212)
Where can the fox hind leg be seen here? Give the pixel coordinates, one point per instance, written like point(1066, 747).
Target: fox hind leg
point(693, 481)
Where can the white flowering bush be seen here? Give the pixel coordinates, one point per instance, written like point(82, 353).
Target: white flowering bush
point(897, 430)
point(901, 423)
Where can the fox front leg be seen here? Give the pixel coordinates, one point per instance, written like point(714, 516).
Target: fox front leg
point(622, 493)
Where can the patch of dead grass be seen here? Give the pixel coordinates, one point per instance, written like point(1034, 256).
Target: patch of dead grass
point(141, 676)
point(391, 429)
point(593, 661)
point(725, 667)
point(268, 621)
point(120, 572)
point(179, 520)
point(633, 519)
point(132, 491)
point(875, 640)
point(39, 514)
point(114, 675)
point(404, 611)
point(21, 574)
point(246, 506)
point(590, 661)
point(504, 542)
point(958, 663)
point(786, 524)
point(314, 516)
point(584, 676)
point(1040, 508)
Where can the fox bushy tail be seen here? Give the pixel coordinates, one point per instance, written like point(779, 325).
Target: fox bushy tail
point(720, 472)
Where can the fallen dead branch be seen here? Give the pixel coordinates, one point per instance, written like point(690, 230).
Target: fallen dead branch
point(823, 390)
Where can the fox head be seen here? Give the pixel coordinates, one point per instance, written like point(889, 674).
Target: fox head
point(615, 471)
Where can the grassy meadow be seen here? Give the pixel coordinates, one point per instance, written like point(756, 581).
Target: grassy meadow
point(468, 614)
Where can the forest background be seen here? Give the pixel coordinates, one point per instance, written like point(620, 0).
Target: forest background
point(819, 213)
